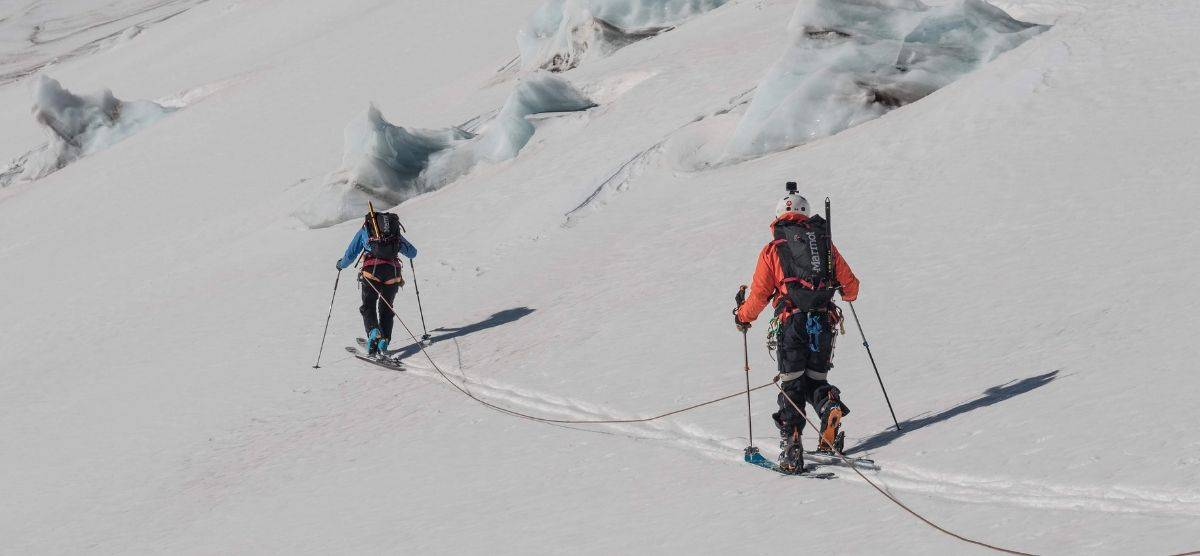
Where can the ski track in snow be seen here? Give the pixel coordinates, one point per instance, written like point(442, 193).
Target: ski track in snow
point(894, 477)
point(558, 407)
point(999, 226)
point(1042, 495)
point(620, 179)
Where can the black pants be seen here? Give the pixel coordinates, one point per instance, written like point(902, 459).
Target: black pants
point(806, 342)
point(375, 313)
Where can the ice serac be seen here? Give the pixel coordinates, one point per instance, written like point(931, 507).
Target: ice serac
point(389, 164)
point(851, 61)
point(381, 162)
point(536, 93)
point(561, 34)
point(77, 126)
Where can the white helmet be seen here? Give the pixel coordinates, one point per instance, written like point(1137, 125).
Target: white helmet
point(792, 202)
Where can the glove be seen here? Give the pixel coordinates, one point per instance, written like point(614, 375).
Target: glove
point(741, 326)
point(339, 265)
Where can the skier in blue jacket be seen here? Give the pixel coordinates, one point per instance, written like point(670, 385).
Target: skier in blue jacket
point(381, 275)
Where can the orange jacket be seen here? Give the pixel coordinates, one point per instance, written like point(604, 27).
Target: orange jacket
point(768, 277)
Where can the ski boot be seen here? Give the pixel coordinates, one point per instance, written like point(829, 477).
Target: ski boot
point(831, 439)
point(791, 455)
point(373, 342)
point(382, 346)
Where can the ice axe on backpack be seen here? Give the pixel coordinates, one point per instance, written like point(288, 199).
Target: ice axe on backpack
point(751, 453)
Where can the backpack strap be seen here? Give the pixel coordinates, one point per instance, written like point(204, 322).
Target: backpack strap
point(800, 281)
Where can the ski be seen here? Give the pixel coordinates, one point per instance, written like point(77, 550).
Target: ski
point(809, 472)
point(384, 361)
point(829, 458)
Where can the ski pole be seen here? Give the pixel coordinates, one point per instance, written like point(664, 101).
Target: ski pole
point(873, 365)
point(420, 309)
point(327, 318)
point(741, 298)
point(749, 419)
point(829, 223)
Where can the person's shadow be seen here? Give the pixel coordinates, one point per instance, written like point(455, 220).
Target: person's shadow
point(503, 317)
point(993, 395)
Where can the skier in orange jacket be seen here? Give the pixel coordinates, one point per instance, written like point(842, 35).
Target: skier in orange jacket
point(800, 270)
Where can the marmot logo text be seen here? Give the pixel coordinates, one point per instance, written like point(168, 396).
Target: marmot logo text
point(815, 250)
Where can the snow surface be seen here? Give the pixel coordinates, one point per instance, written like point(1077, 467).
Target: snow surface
point(35, 35)
point(1025, 235)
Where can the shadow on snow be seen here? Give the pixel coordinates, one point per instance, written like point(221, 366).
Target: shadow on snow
point(990, 396)
point(503, 317)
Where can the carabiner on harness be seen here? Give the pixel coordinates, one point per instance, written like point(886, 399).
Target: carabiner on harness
point(773, 331)
point(813, 326)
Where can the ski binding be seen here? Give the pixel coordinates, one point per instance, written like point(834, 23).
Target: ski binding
point(753, 456)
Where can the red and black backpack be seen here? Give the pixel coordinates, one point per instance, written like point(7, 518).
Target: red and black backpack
point(383, 233)
point(805, 252)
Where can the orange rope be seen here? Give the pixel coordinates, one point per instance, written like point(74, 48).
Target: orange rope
point(516, 413)
point(892, 498)
point(799, 410)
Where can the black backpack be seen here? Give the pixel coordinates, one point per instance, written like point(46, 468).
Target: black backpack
point(806, 258)
point(383, 233)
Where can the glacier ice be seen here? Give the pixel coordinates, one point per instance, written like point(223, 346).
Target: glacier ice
point(851, 61)
point(561, 34)
point(536, 93)
point(389, 164)
point(77, 126)
point(381, 162)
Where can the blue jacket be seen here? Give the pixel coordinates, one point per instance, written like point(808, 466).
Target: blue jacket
point(359, 243)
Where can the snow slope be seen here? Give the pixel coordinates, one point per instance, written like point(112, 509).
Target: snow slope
point(1024, 236)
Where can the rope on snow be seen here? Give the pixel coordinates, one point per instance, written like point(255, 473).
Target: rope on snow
point(888, 496)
